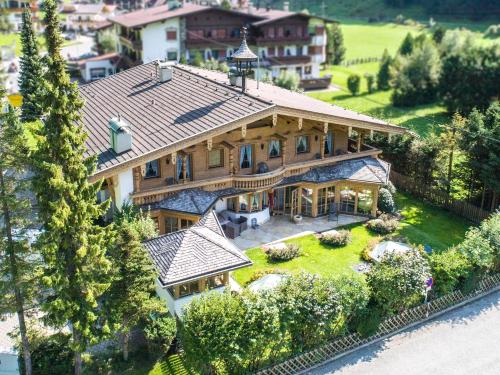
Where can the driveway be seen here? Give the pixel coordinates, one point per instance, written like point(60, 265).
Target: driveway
point(83, 44)
point(463, 341)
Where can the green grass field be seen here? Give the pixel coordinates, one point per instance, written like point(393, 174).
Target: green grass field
point(422, 224)
point(363, 40)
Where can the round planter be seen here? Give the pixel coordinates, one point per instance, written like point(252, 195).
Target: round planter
point(297, 219)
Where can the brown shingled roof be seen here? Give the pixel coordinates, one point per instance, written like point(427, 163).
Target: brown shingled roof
point(155, 14)
point(160, 114)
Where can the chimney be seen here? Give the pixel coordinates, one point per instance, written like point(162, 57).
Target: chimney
point(286, 6)
point(120, 135)
point(165, 71)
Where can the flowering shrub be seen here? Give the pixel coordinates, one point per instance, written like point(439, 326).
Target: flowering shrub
point(384, 224)
point(280, 254)
point(336, 238)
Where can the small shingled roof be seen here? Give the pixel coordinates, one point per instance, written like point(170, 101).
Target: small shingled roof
point(366, 169)
point(194, 201)
point(193, 253)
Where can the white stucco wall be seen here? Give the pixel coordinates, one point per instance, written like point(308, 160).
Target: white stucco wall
point(221, 205)
point(175, 306)
point(154, 40)
point(261, 216)
point(97, 64)
point(124, 186)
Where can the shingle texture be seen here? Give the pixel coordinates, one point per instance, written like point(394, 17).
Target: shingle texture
point(195, 252)
point(193, 201)
point(363, 170)
point(160, 114)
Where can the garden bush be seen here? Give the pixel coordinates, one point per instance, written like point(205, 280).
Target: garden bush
point(493, 31)
point(389, 186)
point(370, 82)
point(384, 224)
point(386, 201)
point(449, 269)
point(160, 332)
point(353, 82)
point(336, 238)
point(398, 280)
point(288, 80)
point(365, 254)
point(281, 254)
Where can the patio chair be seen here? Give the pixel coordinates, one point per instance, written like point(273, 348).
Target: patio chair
point(232, 230)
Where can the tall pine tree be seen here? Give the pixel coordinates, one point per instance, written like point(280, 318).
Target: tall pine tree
point(17, 261)
point(131, 297)
point(73, 246)
point(30, 83)
point(335, 46)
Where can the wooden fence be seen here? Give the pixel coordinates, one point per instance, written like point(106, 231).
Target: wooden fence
point(439, 198)
point(313, 358)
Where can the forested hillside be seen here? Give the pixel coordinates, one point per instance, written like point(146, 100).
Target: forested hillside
point(385, 9)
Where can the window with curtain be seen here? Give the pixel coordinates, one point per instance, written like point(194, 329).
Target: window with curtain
point(307, 201)
point(302, 145)
point(180, 172)
point(245, 156)
point(329, 143)
point(255, 202)
point(215, 158)
point(274, 148)
point(243, 200)
point(152, 169)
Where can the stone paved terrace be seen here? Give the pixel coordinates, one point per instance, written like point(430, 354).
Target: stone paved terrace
point(280, 228)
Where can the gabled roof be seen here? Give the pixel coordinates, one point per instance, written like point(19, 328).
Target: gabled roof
point(196, 103)
point(194, 201)
point(155, 14)
point(193, 253)
point(160, 114)
point(366, 169)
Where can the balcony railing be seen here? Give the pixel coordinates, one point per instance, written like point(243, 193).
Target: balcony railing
point(131, 42)
point(250, 182)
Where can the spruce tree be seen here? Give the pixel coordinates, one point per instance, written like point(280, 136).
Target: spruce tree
point(73, 246)
point(407, 45)
point(131, 296)
point(335, 40)
point(30, 82)
point(384, 72)
point(17, 261)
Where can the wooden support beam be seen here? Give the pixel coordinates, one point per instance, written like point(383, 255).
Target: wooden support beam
point(301, 123)
point(173, 157)
point(275, 119)
point(244, 130)
point(349, 131)
point(209, 144)
point(325, 128)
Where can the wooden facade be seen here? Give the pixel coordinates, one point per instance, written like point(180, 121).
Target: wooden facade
point(190, 168)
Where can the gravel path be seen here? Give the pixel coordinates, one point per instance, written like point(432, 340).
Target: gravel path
point(463, 341)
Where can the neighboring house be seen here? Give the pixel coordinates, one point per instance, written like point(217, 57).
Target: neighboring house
point(284, 40)
point(98, 67)
point(193, 261)
point(86, 17)
point(9, 363)
point(180, 141)
point(14, 9)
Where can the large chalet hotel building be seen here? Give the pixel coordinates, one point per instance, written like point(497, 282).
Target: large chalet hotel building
point(284, 40)
point(207, 159)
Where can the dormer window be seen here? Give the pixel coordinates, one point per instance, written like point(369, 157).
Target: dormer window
point(152, 169)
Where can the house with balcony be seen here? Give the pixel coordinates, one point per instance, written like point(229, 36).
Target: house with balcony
point(285, 41)
point(85, 17)
point(181, 142)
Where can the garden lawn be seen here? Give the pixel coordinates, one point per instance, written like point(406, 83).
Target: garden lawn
point(423, 224)
point(171, 365)
point(429, 225)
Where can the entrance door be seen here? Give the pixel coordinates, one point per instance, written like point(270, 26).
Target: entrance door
point(294, 202)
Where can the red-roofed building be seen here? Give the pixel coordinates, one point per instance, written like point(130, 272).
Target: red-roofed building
point(284, 40)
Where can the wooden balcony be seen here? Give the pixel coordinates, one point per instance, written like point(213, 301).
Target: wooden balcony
point(131, 42)
point(249, 182)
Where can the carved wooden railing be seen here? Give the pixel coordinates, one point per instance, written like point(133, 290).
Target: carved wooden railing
point(248, 182)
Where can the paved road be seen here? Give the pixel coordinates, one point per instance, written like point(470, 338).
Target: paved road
point(463, 341)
